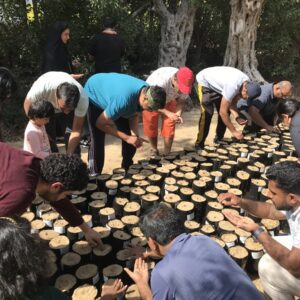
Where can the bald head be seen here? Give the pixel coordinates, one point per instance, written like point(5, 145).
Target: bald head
point(283, 89)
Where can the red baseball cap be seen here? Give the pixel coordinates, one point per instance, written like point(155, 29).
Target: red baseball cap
point(185, 80)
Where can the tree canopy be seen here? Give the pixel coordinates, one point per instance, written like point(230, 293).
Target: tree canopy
point(139, 23)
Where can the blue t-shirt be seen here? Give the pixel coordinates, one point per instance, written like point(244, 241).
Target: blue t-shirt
point(196, 267)
point(117, 94)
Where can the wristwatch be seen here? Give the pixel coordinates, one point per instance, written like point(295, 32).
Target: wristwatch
point(257, 232)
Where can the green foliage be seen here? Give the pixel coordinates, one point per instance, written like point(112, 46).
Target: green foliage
point(278, 42)
point(22, 42)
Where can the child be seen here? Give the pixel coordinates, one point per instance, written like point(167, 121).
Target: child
point(35, 138)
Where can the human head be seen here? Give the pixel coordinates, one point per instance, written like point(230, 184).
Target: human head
point(152, 98)
point(109, 22)
point(250, 90)
point(284, 184)
point(282, 89)
point(41, 110)
point(60, 175)
point(286, 110)
point(183, 80)
point(67, 95)
point(161, 225)
point(59, 32)
point(22, 260)
point(8, 84)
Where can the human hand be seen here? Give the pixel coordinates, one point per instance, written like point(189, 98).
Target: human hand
point(134, 141)
point(241, 121)
point(238, 135)
point(93, 238)
point(229, 199)
point(110, 292)
point(140, 273)
point(174, 117)
point(77, 76)
point(241, 222)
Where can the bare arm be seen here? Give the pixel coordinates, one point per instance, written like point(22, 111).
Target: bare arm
point(288, 259)
point(260, 209)
point(258, 119)
point(107, 125)
point(224, 113)
point(75, 135)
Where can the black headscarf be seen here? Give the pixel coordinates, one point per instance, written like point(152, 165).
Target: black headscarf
point(56, 56)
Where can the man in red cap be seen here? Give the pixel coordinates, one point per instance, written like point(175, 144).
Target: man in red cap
point(178, 85)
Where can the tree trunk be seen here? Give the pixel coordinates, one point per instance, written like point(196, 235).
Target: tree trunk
point(240, 51)
point(176, 32)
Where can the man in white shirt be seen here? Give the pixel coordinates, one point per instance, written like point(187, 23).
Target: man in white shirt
point(178, 84)
point(279, 268)
point(222, 86)
point(66, 95)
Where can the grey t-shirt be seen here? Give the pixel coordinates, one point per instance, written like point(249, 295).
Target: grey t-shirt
point(196, 267)
point(45, 88)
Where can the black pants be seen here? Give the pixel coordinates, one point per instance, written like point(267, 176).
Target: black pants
point(96, 150)
point(60, 125)
point(208, 98)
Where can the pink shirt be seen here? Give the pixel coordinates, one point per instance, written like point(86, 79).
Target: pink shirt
point(36, 140)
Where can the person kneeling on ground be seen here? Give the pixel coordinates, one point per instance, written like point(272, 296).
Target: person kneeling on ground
point(279, 268)
point(192, 267)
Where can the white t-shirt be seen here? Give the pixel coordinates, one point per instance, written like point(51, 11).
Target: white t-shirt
point(45, 88)
point(163, 78)
point(226, 81)
point(293, 219)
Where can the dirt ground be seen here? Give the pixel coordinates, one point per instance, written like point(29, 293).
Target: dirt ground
point(185, 136)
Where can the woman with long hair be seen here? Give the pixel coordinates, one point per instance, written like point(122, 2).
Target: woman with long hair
point(289, 113)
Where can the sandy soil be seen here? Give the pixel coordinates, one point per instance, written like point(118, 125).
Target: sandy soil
point(185, 136)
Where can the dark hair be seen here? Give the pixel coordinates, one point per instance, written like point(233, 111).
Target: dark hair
point(162, 223)
point(40, 109)
point(287, 176)
point(69, 93)
point(158, 95)
point(22, 260)
point(288, 107)
point(8, 84)
point(67, 169)
point(109, 22)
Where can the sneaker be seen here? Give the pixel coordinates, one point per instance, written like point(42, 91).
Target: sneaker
point(85, 143)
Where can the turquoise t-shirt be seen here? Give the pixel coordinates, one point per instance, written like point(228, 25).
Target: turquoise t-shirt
point(117, 94)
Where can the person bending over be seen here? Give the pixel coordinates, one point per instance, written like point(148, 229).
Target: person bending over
point(115, 103)
point(222, 87)
point(279, 268)
point(22, 175)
